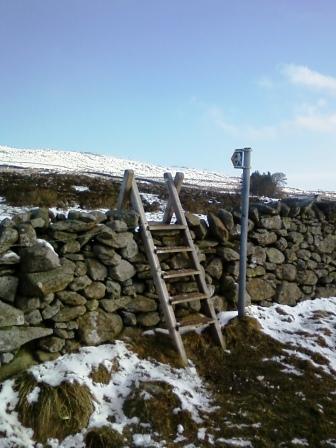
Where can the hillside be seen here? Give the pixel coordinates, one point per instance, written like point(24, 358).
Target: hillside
point(97, 164)
point(47, 160)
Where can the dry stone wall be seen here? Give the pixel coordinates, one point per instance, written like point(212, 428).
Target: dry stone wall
point(81, 279)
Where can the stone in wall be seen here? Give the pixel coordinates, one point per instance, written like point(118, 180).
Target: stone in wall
point(97, 327)
point(260, 289)
point(288, 293)
point(13, 337)
point(217, 228)
point(39, 257)
point(8, 288)
point(44, 283)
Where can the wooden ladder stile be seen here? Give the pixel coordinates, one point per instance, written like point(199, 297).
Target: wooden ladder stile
point(208, 303)
point(129, 191)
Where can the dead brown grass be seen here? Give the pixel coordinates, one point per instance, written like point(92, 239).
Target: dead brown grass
point(58, 412)
point(155, 403)
point(104, 437)
point(101, 374)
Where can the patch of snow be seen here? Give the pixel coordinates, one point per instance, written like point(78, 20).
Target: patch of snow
point(180, 429)
point(8, 211)
point(10, 255)
point(300, 442)
point(46, 244)
point(65, 211)
point(72, 441)
point(144, 440)
point(152, 197)
point(236, 442)
point(34, 394)
point(13, 433)
point(80, 188)
point(309, 328)
point(226, 316)
point(201, 433)
point(154, 216)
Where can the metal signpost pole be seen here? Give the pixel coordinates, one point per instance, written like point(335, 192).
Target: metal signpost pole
point(242, 159)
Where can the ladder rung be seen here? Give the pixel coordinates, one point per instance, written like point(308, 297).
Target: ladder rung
point(171, 249)
point(190, 297)
point(162, 331)
point(193, 321)
point(166, 227)
point(180, 273)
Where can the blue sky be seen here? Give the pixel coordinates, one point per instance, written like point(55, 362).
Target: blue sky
point(178, 82)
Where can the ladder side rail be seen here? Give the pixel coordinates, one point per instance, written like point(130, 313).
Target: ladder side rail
point(201, 279)
point(168, 214)
point(125, 189)
point(157, 274)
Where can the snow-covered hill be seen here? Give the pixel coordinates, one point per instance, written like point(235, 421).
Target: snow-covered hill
point(83, 162)
point(90, 163)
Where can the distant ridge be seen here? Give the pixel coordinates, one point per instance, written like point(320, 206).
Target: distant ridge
point(88, 162)
point(99, 164)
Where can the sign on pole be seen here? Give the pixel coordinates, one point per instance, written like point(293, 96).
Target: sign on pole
point(237, 158)
point(241, 159)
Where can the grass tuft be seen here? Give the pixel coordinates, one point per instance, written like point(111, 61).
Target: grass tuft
point(103, 437)
point(58, 412)
point(101, 374)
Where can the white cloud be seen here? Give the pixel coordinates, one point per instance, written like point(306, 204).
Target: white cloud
point(308, 118)
point(302, 75)
point(317, 123)
point(314, 117)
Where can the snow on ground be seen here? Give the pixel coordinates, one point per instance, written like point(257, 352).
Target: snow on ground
point(309, 328)
point(80, 188)
point(300, 327)
point(236, 442)
point(7, 211)
point(84, 162)
point(109, 398)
